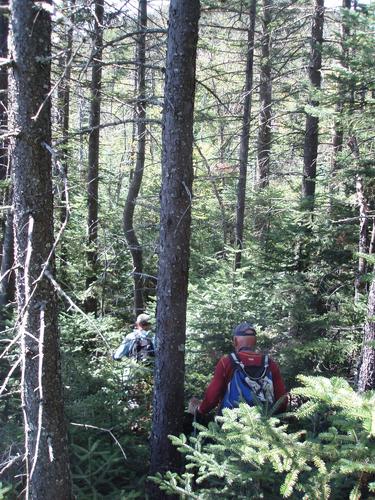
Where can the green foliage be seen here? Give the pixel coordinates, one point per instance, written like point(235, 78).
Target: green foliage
point(108, 405)
point(245, 454)
point(4, 491)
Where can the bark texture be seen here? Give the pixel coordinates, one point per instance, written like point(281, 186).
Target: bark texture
point(63, 118)
point(244, 144)
point(3, 90)
point(338, 128)
point(46, 450)
point(91, 303)
point(7, 285)
point(175, 219)
point(128, 220)
point(310, 150)
point(366, 379)
point(265, 98)
point(363, 207)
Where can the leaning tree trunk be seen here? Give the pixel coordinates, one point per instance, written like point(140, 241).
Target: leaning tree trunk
point(175, 219)
point(310, 150)
point(46, 447)
point(91, 302)
point(265, 98)
point(7, 259)
point(135, 184)
point(366, 378)
point(245, 134)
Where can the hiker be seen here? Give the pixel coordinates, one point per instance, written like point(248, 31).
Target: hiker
point(268, 388)
point(139, 343)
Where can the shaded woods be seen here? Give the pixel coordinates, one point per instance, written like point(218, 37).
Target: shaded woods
point(205, 163)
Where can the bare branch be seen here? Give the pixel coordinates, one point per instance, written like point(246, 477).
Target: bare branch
point(88, 130)
point(10, 373)
point(6, 62)
point(74, 306)
point(87, 426)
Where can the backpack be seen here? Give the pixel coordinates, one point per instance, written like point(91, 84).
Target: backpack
point(249, 384)
point(139, 348)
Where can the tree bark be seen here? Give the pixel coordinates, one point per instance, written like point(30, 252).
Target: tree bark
point(3, 91)
point(265, 98)
point(366, 379)
point(7, 285)
point(46, 449)
point(338, 129)
point(136, 181)
point(363, 206)
point(64, 111)
point(175, 220)
point(245, 134)
point(91, 302)
point(310, 150)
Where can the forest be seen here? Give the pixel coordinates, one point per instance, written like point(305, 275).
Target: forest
point(207, 163)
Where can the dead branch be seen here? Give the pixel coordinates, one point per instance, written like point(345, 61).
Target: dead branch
point(87, 426)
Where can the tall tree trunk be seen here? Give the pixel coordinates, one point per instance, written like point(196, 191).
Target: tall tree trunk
point(64, 110)
point(3, 90)
point(338, 129)
point(265, 98)
point(310, 150)
point(91, 302)
point(366, 378)
point(7, 285)
point(46, 449)
point(135, 184)
point(245, 134)
point(363, 206)
point(175, 220)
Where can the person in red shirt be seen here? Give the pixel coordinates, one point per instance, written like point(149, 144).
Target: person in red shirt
point(244, 340)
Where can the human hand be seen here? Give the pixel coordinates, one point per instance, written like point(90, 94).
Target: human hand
point(194, 405)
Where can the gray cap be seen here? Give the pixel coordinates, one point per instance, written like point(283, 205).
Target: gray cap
point(242, 330)
point(144, 319)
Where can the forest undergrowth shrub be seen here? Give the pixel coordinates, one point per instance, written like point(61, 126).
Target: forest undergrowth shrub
point(108, 406)
point(326, 450)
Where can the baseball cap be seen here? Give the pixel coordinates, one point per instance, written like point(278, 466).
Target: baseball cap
point(241, 330)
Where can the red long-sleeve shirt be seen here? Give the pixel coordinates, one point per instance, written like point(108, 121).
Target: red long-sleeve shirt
point(223, 374)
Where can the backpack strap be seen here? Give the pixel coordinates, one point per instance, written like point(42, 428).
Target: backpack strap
point(236, 363)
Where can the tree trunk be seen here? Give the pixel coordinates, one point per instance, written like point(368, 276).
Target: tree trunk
point(338, 129)
point(7, 285)
point(265, 98)
point(175, 219)
point(310, 150)
point(64, 110)
point(3, 91)
point(363, 206)
point(245, 134)
point(46, 450)
point(135, 184)
point(366, 379)
point(91, 302)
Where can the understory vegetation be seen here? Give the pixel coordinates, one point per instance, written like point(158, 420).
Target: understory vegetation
point(304, 278)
